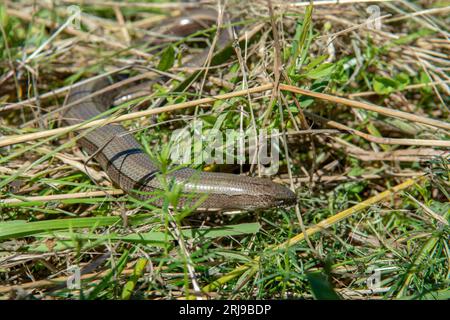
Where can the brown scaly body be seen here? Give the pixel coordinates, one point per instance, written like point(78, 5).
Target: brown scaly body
point(126, 163)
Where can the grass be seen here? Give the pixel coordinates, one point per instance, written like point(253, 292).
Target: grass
point(373, 192)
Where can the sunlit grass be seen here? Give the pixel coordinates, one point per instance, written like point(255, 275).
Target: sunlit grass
point(131, 249)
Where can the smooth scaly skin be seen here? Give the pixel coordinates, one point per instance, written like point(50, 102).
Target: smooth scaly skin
point(126, 163)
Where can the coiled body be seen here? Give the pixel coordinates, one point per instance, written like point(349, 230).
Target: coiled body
point(129, 167)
